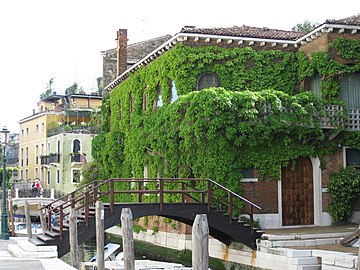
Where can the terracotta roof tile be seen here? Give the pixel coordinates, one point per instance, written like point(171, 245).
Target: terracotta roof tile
point(246, 31)
point(352, 20)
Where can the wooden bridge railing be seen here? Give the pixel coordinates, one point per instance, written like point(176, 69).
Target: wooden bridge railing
point(150, 190)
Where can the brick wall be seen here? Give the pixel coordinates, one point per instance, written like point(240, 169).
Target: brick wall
point(263, 193)
point(331, 163)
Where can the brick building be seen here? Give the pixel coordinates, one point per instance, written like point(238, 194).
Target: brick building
point(301, 196)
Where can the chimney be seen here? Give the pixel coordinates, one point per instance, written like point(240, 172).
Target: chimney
point(121, 50)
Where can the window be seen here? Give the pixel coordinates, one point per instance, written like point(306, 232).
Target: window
point(58, 147)
point(36, 173)
point(131, 104)
point(349, 90)
point(248, 175)
point(57, 176)
point(36, 154)
point(352, 157)
point(26, 156)
point(21, 175)
point(42, 149)
point(22, 133)
point(48, 178)
point(36, 128)
point(42, 126)
point(207, 80)
point(174, 95)
point(76, 146)
point(144, 102)
point(27, 131)
point(76, 176)
point(158, 101)
point(26, 175)
point(22, 157)
point(315, 85)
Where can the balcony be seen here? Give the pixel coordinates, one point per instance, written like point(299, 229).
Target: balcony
point(76, 129)
point(52, 158)
point(77, 157)
point(334, 116)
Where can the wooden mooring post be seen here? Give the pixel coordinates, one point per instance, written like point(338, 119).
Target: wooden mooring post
point(99, 216)
point(127, 238)
point(28, 219)
point(74, 247)
point(200, 243)
point(42, 217)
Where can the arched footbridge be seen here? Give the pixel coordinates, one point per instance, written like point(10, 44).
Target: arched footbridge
point(178, 199)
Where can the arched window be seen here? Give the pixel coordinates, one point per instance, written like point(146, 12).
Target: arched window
point(76, 146)
point(174, 95)
point(206, 80)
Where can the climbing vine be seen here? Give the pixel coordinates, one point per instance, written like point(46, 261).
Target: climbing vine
point(261, 116)
point(345, 189)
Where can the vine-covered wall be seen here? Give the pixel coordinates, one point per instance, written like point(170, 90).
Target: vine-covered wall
point(260, 117)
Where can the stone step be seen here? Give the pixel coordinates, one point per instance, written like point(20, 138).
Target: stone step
point(18, 252)
point(304, 236)
point(30, 247)
point(298, 242)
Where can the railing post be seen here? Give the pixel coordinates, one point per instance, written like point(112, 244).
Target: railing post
point(49, 213)
point(140, 193)
point(230, 205)
point(61, 221)
point(111, 186)
point(95, 192)
point(161, 195)
point(251, 218)
point(87, 202)
point(208, 184)
point(182, 186)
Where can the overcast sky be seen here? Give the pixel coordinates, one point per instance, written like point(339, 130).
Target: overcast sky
point(43, 39)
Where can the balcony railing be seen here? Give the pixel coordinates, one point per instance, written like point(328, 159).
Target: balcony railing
point(334, 117)
point(53, 158)
point(77, 157)
point(72, 129)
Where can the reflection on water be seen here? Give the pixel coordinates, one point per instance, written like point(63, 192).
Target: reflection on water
point(87, 250)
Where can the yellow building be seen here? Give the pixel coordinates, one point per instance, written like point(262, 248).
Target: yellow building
point(55, 114)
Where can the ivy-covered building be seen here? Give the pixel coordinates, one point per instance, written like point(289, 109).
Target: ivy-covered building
point(272, 115)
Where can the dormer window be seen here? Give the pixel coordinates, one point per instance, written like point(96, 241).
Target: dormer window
point(207, 80)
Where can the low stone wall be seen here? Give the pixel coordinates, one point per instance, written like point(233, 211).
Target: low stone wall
point(266, 257)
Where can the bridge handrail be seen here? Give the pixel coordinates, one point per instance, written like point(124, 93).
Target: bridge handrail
point(87, 195)
point(236, 195)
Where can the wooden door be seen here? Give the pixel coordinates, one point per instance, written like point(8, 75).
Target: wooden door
point(297, 193)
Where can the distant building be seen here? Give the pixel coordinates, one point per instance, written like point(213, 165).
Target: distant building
point(49, 137)
point(116, 61)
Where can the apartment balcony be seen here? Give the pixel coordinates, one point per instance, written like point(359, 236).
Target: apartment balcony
point(52, 158)
point(77, 157)
point(75, 129)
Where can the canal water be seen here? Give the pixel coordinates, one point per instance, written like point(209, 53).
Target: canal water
point(87, 250)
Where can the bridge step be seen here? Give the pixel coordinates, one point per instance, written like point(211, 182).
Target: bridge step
point(37, 242)
point(44, 237)
point(52, 233)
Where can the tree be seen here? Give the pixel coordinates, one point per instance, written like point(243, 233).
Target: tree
point(48, 90)
point(72, 89)
point(306, 26)
point(90, 172)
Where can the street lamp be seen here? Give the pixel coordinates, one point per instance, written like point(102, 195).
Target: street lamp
point(4, 218)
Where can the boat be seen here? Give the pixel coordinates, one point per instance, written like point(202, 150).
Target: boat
point(20, 228)
point(116, 262)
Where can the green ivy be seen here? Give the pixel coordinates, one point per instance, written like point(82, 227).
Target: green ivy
point(345, 188)
point(260, 117)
